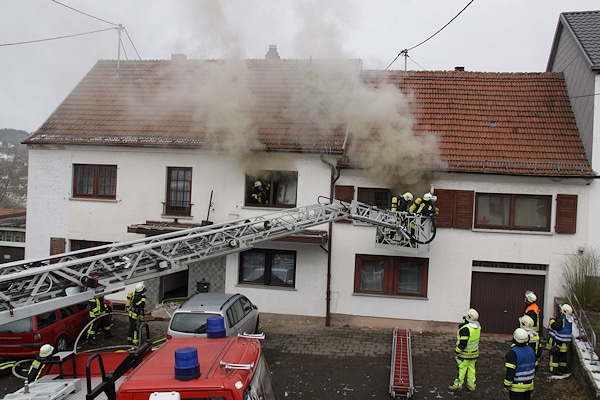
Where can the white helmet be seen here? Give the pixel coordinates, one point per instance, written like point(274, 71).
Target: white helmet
point(140, 287)
point(472, 315)
point(526, 322)
point(530, 296)
point(408, 196)
point(566, 309)
point(427, 196)
point(520, 335)
point(257, 183)
point(46, 350)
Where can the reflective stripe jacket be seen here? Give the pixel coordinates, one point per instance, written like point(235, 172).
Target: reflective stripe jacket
point(97, 307)
point(561, 328)
point(467, 340)
point(520, 368)
point(138, 303)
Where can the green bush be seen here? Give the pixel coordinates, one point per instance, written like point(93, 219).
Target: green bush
point(582, 278)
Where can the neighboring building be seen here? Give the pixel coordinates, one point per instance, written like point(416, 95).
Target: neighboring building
point(184, 141)
point(12, 235)
point(576, 53)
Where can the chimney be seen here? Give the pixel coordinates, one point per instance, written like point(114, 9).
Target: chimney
point(272, 54)
point(178, 57)
point(459, 68)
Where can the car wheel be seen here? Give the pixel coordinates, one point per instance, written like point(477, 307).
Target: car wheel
point(61, 343)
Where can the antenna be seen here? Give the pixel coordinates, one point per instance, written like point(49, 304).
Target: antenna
point(119, 29)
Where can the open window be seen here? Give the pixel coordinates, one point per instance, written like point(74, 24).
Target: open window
point(272, 189)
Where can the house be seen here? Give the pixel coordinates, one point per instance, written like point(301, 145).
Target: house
point(576, 54)
point(12, 235)
point(138, 147)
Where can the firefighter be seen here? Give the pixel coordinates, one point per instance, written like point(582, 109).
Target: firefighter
point(136, 313)
point(526, 323)
point(558, 344)
point(520, 367)
point(402, 202)
point(426, 206)
point(260, 193)
point(532, 309)
point(38, 365)
point(467, 350)
point(99, 313)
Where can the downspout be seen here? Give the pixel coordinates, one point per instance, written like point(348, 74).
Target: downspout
point(335, 175)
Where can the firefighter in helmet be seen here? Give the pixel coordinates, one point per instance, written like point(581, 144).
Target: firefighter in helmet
point(532, 309)
point(560, 338)
point(520, 367)
point(526, 323)
point(467, 350)
point(425, 206)
point(38, 365)
point(136, 313)
point(402, 202)
point(260, 193)
point(99, 313)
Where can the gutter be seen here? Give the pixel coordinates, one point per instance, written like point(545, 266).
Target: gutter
point(335, 175)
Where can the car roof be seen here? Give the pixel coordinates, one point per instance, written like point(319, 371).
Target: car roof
point(207, 301)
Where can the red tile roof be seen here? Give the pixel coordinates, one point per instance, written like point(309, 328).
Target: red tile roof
point(505, 123)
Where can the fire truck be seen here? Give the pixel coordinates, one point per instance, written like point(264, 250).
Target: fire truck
point(217, 367)
point(230, 368)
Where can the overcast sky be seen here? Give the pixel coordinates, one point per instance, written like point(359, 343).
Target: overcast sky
point(496, 36)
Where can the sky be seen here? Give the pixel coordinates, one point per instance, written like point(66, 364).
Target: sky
point(479, 35)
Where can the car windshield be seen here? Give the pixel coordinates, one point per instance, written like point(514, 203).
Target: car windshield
point(190, 322)
point(20, 326)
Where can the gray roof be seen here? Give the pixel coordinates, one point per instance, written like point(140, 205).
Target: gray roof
point(585, 28)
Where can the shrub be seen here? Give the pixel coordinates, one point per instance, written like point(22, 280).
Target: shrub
point(582, 277)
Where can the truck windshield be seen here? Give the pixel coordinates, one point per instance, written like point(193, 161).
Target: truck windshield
point(261, 386)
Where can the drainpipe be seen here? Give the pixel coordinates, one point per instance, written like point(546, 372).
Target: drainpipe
point(335, 175)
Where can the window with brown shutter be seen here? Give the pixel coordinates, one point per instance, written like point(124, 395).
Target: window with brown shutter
point(566, 213)
point(456, 208)
point(344, 193)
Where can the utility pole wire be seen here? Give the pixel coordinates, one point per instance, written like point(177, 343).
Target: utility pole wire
point(81, 12)
point(54, 38)
point(430, 37)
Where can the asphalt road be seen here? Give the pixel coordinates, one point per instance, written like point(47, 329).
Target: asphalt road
point(318, 362)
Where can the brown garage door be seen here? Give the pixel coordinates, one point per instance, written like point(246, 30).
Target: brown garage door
point(499, 298)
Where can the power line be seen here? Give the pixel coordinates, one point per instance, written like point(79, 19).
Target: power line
point(54, 38)
point(81, 12)
point(405, 51)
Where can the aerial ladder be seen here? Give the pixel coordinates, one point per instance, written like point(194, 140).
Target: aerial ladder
point(34, 286)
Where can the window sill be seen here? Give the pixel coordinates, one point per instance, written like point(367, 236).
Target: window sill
point(389, 296)
point(176, 217)
point(509, 231)
point(272, 287)
point(93, 199)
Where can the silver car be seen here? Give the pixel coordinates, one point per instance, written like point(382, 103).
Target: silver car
point(190, 319)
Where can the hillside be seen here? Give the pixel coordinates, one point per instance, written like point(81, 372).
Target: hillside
point(13, 169)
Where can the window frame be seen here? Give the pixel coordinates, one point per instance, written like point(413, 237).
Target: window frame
point(178, 201)
point(378, 197)
point(391, 274)
point(267, 277)
point(513, 200)
point(275, 180)
point(86, 176)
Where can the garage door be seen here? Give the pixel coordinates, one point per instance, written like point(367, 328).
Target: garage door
point(499, 298)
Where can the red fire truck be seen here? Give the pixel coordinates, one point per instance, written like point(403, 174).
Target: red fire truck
point(215, 368)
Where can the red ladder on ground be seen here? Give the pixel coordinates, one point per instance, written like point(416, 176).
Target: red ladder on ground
point(401, 375)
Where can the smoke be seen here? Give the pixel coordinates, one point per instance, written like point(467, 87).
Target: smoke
point(329, 94)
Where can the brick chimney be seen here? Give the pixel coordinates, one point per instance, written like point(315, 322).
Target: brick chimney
point(272, 54)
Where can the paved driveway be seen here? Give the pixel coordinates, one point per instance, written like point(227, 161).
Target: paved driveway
point(318, 362)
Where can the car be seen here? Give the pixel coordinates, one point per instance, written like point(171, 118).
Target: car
point(25, 337)
point(190, 319)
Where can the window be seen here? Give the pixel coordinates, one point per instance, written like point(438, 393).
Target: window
point(272, 189)
point(95, 181)
point(518, 212)
point(268, 267)
point(87, 244)
point(395, 276)
point(375, 197)
point(179, 191)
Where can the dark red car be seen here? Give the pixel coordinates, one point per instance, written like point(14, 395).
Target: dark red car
point(23, 338)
